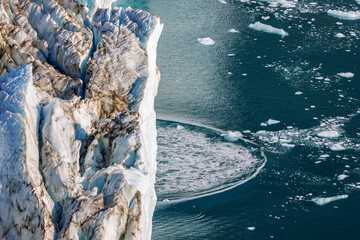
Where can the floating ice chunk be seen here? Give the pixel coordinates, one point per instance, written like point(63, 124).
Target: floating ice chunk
point(351, 15)
point(342, 177)
point(258, 26)
point(322, 201)
point(346, 75)
point(328, 134)
point(179, 127)
point(287, 145)
point(339, 35)
point(251, 228)
point(232, 136)
point(265, 18)
point(233, 31)
point(206, 41)
point(272, 121)
point(325, 156)
point(222, 1)
point(231, 54)
point(263, 124)
point(298, 93)
point(337, 147)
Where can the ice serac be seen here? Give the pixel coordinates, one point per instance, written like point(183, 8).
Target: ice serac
point(77, 120)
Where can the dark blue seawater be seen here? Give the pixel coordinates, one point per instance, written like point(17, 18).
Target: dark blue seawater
point(224, 173)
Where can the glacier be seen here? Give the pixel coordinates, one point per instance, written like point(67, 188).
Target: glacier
point(78, 133)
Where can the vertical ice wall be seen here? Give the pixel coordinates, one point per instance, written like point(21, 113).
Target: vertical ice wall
point(82, 137)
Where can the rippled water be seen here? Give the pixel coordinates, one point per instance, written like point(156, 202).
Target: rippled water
point(241, 82)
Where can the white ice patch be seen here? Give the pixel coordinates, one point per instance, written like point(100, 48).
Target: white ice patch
point(222, 1)
point(206, 41)
point(339, 35)
point(346, 75)
point(233, 30)
point(322, 201)
point(298, 93)
point(337, 147)
point(258, 26)
point(196, 161)
point(251, 228)
point(272, 122)
point(351, 15)
point(232, 136)
point(328, 134)
point(342, 177)
point(281, 3)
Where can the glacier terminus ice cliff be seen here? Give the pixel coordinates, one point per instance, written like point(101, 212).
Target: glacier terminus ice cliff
point(77, 120)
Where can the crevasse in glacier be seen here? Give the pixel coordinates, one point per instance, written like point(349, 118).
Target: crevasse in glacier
point(77, 124)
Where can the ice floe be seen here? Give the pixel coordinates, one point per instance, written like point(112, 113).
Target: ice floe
point(206, 41)
point(351, 15)
point(328, 134)
point(346, 74)
point(339, 35)
point(323, 201)
point(258, 26)
point(233, 30)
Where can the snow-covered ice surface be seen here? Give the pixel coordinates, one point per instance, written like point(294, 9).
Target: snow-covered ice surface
point(191, 155)
point(79, 137)
point(258, 26)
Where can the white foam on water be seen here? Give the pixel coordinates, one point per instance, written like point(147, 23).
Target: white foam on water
point(195, 161)
point(351, 15)
point(346, 74)
point(206, 41)
point(323, 201)
point(258, 26)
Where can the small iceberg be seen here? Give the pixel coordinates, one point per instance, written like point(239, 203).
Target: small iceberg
point(322, 201)
point(339, 35)
point(337, 147)
point(232, 136)
point(351, 15)
point(272, 122)
point(342, 177)
point(251, 228)
point(258, 26)
point(328, 134)
point(233, 31)
point(346, 75)
point(298, 93)
point(206, 41)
